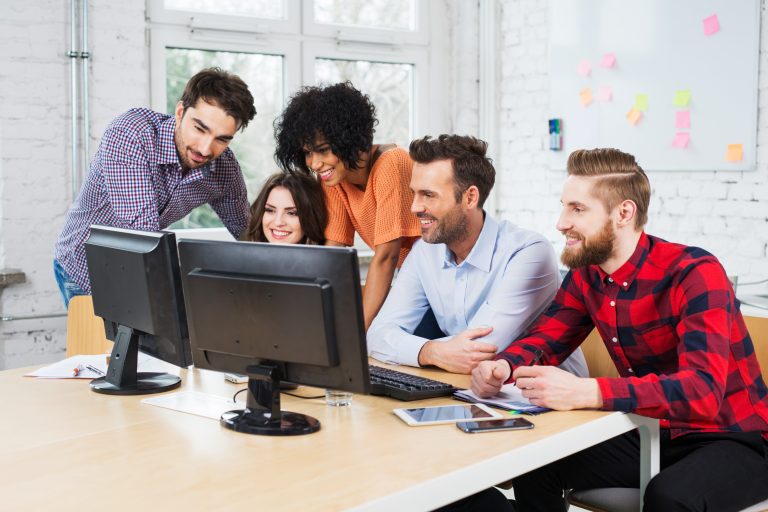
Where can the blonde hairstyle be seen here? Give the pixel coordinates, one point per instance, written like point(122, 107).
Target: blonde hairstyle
point(618, 178)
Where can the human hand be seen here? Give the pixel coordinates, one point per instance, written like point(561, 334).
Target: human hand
point(489, 376)
point(551, 387)
point(461, 353)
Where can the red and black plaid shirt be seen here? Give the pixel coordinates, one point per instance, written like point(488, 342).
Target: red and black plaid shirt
point(673, 328)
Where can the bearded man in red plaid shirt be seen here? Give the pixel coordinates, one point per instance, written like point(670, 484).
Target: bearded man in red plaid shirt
point(672, 325)
point(152, 169)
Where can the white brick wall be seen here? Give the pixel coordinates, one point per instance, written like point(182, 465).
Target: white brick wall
point(34, 148)
point(723, 212)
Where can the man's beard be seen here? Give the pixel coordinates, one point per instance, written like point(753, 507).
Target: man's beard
point(451, 228)
point(593, 251)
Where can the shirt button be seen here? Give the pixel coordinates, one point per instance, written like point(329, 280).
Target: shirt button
point(624, 283)
point(614, 339)
point(613, 303)
point(630, 370)
point(610, 279)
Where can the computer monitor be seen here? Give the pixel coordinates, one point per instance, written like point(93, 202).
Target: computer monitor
point(136, 289)
point(275, 312)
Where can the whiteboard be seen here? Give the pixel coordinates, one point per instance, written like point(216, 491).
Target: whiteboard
point(660, 48)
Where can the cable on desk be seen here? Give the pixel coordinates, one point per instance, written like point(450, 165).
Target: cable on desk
point(234, 398)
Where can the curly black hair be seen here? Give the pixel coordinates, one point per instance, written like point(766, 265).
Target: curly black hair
point(341, 114)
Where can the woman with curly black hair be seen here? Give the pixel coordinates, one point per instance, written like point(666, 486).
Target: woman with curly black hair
point(329, 131)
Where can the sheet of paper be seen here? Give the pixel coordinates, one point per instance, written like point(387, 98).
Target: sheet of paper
point(682, 98)
point(510, 397)
point(65, 369)
point(609, 60)
point(605, 93)
point(194, 402)
point(735, 153)
point(584, 68)
point(683, 119)
point(633, 116)
point(641, 102)
point(585, 96)
point(681, 140)
point(711, 25)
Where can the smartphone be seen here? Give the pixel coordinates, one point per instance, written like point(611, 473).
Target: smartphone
point(418, 416)
point(493, 425)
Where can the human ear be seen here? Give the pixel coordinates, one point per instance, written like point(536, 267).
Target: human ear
point(626, 211)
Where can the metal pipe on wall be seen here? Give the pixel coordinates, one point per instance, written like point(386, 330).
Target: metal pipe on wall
point(73, 55)
point(85, 57)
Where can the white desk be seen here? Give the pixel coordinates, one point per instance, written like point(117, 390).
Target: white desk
point(67, 448)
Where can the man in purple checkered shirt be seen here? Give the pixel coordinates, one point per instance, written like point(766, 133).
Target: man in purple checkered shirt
point(152, 169)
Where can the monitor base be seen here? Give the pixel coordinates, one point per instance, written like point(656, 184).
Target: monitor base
point(290, 424)
point(146, 383)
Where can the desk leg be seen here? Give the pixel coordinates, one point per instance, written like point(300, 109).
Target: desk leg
point(649, 451)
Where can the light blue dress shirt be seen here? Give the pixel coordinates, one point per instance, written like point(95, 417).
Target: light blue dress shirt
point(508, 279)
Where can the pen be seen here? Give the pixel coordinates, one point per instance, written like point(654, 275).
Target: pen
point(94, 369)
point(537, 357)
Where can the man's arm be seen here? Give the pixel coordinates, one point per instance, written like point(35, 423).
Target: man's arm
point(390, 336)
point(232, 207)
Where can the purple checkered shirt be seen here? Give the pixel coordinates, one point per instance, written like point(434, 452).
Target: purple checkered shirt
point(135, 181)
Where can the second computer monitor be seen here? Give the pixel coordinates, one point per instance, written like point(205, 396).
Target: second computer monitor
point(275, 312)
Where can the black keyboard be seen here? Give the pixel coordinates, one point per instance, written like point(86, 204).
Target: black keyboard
point(406, 387)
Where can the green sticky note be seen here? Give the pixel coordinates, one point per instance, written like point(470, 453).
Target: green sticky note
point(682, 98)
point(641, 102)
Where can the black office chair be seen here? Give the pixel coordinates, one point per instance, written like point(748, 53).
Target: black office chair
point(623, 499)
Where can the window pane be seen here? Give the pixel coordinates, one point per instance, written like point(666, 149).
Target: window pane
point(254, 148)
point(387, 14)
point(390, 87)
point(271, 9)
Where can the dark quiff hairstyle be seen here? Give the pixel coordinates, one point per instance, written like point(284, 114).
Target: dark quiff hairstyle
point(618, 178)
point(224, 89)
point(341, 114)
point(467, 154)
point(310, 206)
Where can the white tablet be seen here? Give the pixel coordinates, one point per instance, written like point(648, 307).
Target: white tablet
point(446, 414)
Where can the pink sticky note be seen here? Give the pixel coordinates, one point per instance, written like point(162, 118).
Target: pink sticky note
point(711, 25)
point(681, 140)
point(633, 116)
point(683, 119)
point(585, 96)
point(609, 59)
point(584, 68)
point(604, 93)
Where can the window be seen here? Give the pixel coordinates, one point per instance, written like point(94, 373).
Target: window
point(381, 46)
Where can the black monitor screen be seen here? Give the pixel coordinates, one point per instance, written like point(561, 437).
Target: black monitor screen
point(291, 311)
point(136, 287)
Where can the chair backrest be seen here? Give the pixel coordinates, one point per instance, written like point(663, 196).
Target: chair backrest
point(85, 330)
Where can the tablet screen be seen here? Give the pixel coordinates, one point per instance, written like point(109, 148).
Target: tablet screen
point(447, 413)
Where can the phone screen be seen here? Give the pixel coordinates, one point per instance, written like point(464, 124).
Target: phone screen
point(447, 413)
point(488, 426)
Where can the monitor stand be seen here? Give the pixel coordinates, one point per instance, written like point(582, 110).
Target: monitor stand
point(122, 376)
point(262, 414)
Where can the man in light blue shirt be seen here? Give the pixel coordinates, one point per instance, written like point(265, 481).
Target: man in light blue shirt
point(485, 281)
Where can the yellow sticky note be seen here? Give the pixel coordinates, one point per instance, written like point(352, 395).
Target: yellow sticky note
point(682, 98)
point(641, 102)
point(735, 153)
point(633, 116)
point(585, 96)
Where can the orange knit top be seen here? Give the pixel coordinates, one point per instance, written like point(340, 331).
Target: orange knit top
point(380, 213)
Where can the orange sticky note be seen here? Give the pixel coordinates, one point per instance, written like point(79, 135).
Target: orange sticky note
point(609, 59)
point(735, 153)
point(633, 116)
point(584, 68)
point(681, 140)
point(604, 93)
point(711, 25)
point(585, 96)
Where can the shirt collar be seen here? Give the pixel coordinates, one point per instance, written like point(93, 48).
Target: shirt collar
point(625, 275)
point(481, 254)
